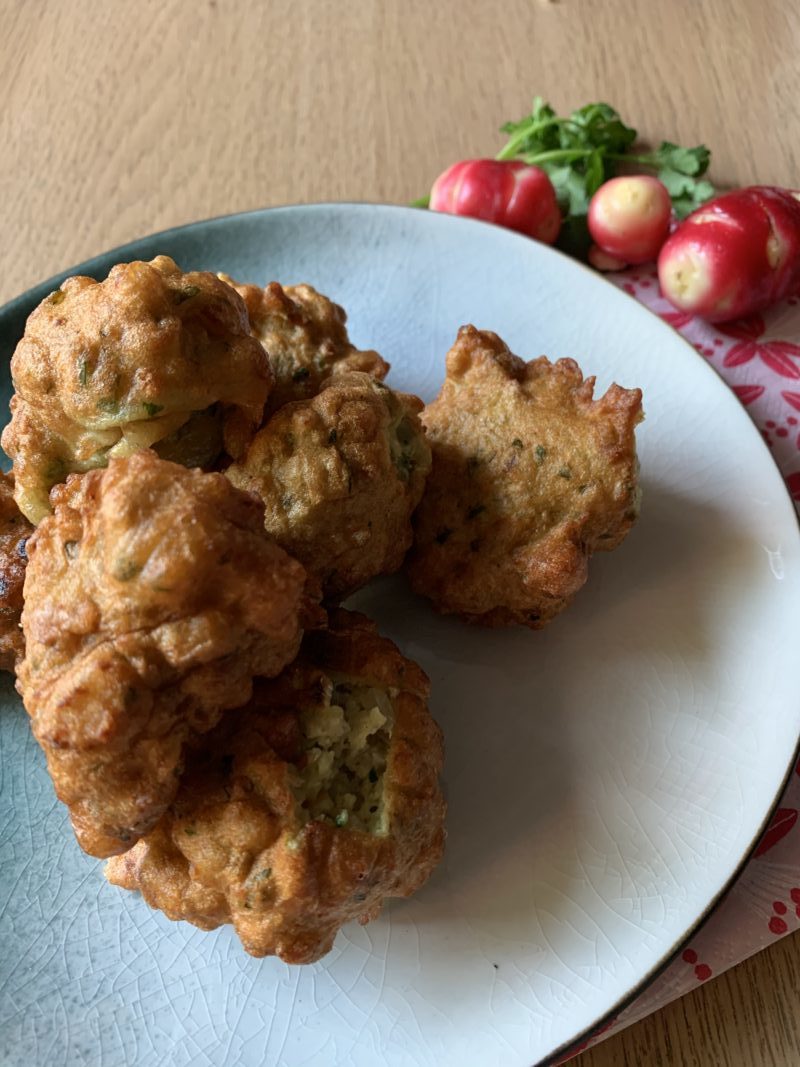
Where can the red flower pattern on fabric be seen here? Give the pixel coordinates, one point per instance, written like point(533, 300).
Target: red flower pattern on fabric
point(783, 821)
point(779, 356)
point(676, 319)
point(702, 971)
point(748, 393)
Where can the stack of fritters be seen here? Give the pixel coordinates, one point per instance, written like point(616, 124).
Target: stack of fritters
point(159, 603)
point(246, 751)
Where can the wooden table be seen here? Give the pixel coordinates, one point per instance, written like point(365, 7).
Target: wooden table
point(119, 119)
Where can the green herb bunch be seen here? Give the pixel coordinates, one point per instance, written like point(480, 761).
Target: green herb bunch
point(590, 146)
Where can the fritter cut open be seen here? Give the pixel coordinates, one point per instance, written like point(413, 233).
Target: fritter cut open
point(530, 476)
point(152, 598)
point(308, 808)
point(150, 357)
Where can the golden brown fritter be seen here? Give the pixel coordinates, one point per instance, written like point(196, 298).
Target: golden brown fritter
point(306, 339)
point(340, 476)
point(530, 476)
point(14, 533)
point(152, 598)
point(149, 357)
point(305, 810)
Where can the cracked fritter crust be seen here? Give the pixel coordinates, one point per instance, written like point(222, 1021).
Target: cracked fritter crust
point(152, 598)
point(340, 476)
point(530, 476)
point(149, 357)
point(236, 846)
point(306, 339)
point(14, 533)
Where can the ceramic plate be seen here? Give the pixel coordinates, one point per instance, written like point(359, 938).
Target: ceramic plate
point(605, 777)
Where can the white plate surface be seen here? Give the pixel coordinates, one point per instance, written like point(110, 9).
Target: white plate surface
point(605, 777)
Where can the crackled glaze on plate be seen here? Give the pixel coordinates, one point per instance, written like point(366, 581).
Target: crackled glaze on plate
point(605, 777)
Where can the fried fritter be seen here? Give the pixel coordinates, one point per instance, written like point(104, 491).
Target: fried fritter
point(340, 476)
point(152, 598)
point(306, 809)
point(530, 476)
point(306, 339)
point(149, 357)
point(14, 533)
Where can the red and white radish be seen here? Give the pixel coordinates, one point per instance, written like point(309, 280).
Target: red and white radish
point(629, 217)
point(734, 256)
point(511, 194)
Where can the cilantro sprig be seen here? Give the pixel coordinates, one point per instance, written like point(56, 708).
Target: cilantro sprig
point(581, 151)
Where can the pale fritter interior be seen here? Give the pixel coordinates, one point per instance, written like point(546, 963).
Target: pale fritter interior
point(346, 745)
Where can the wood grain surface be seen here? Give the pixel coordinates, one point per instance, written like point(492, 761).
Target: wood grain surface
point(121, 118)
